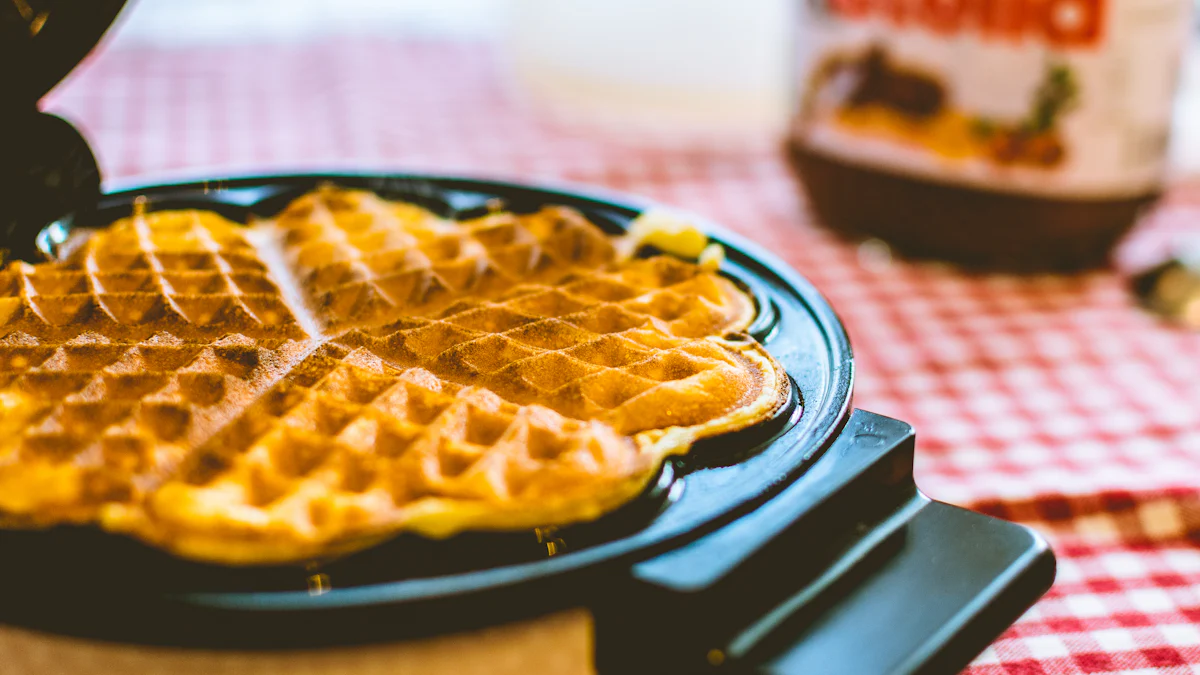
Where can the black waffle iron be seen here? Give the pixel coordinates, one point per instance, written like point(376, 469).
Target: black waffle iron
point(801, 545)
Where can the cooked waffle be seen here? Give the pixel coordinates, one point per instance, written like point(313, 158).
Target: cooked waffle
point(348, 448)
point(113, 364)
point(593, 346)
point(391, 371)
point(364, 260)
point(191, 273)
point(90, 421)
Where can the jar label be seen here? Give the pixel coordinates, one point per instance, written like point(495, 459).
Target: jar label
point(1053, 97)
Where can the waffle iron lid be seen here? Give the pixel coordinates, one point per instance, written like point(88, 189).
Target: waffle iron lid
point(47, 168)
point(43, 40)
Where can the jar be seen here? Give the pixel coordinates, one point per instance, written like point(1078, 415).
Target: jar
point(1019, 134)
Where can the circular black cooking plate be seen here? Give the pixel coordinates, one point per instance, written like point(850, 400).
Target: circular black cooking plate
point(407, 581)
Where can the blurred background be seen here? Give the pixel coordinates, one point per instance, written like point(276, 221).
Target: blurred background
point(685, 69)
point(623, 60)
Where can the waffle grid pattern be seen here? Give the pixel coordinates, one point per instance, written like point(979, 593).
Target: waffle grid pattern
point(625, 349)
point(91, 420)
point(422, 423)
point(348, 442)
point(181, 325)
point(369, 261)
point(183, 272)
point(589, 348)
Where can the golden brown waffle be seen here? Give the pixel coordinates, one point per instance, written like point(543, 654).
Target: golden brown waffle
point(364, 260)
point(348, 448)
point(91, 421)
point(605, 346)
point(115, 363)
point(188, 272)
point(433, 400)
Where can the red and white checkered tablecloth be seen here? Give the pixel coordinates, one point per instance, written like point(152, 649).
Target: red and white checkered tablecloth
point(1049, 400)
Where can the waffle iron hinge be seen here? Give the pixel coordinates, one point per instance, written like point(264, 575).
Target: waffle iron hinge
point(849, 570)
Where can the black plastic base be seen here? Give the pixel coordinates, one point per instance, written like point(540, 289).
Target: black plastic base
point(849, 570)
point(955, 582)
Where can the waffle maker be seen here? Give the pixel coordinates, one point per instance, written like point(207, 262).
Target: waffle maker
point(801, 545)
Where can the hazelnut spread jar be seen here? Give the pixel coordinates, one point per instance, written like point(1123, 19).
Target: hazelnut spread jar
point(1019, 134)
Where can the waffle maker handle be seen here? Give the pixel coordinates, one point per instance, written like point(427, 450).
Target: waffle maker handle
point(851, 569)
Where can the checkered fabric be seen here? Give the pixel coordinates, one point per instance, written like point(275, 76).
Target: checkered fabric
point(1048, 400)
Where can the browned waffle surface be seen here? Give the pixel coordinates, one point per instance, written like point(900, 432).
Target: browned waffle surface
point(507, 372)
point(366, 261)
point(637, 347)
point(91, 421)
point(348, 448)
point(188, 272)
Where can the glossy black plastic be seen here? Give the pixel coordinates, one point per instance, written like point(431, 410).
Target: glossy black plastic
point(43, 40)
point(46, 170)
point(46, 167)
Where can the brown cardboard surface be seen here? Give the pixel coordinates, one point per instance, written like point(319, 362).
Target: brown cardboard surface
point(560, 643)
